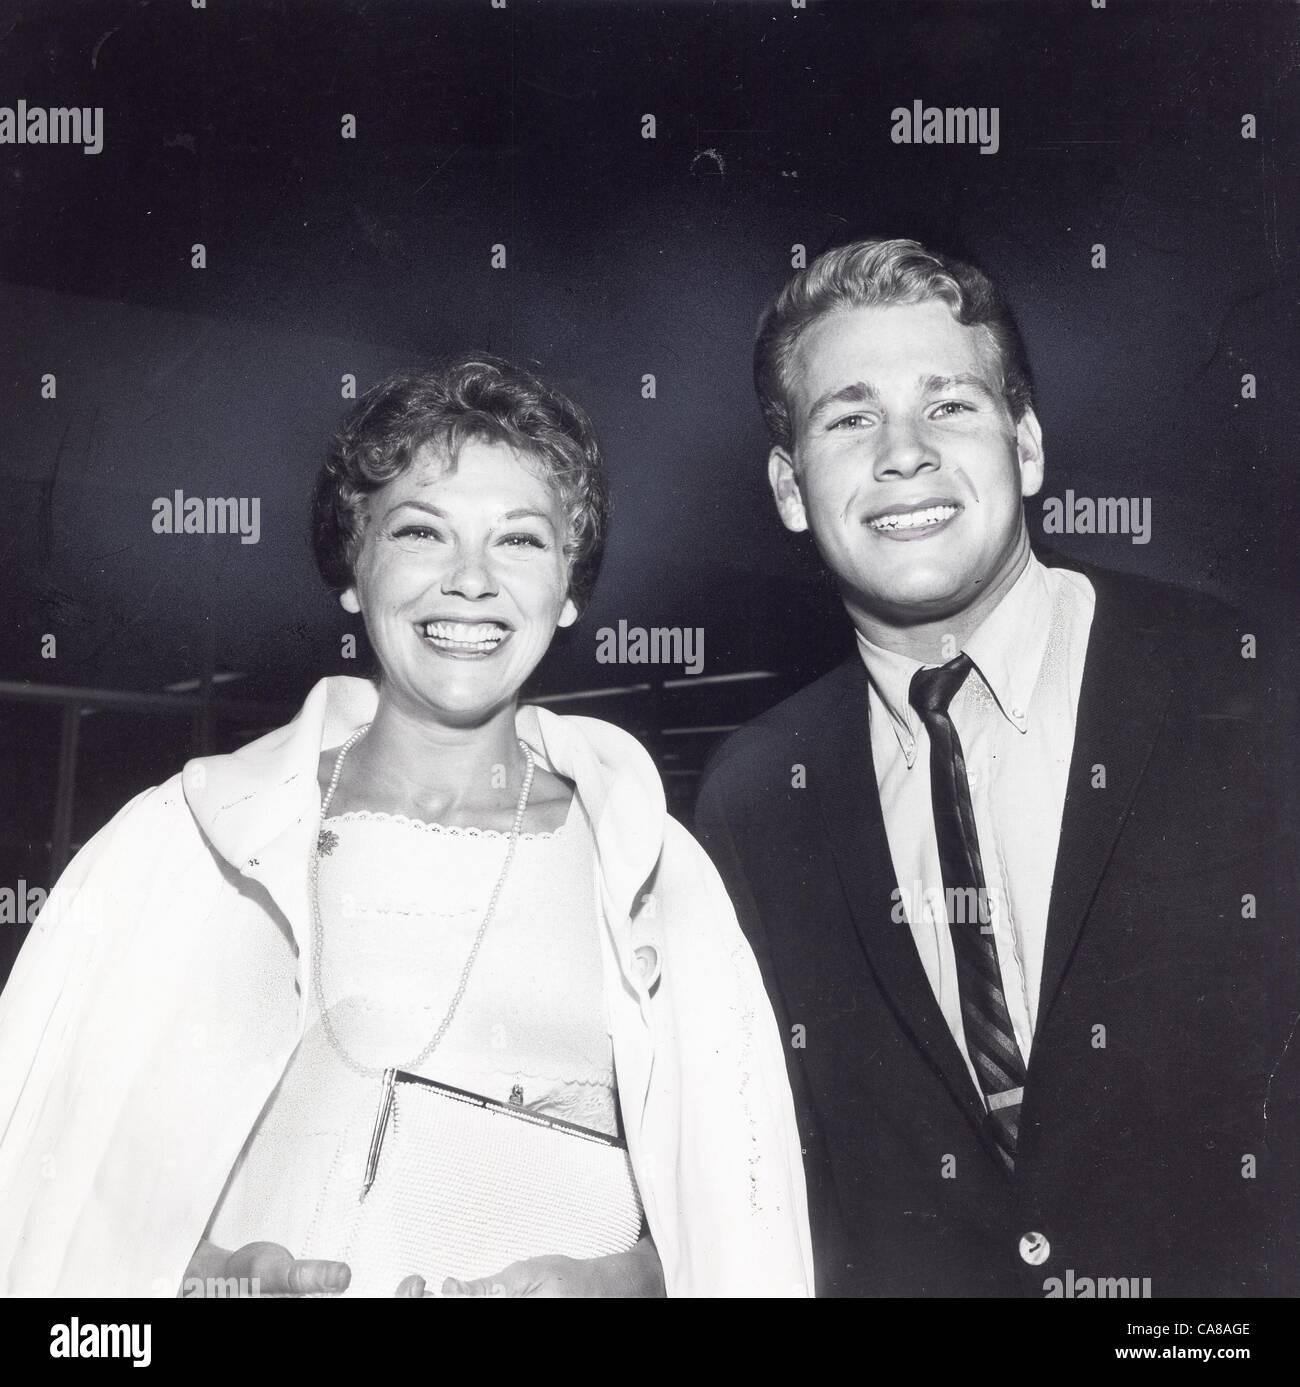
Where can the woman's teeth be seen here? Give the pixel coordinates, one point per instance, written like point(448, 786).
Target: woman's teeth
point(464, 635)
point(913, 519)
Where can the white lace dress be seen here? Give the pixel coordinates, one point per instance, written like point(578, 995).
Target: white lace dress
point(400, 903)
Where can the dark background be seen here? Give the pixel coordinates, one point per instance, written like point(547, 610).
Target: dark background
point(625, 256)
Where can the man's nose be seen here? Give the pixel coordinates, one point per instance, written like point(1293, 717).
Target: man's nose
point(470, 575)
point(905, 450)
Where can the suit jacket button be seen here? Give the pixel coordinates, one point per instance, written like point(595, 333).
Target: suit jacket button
point(1035, 1249)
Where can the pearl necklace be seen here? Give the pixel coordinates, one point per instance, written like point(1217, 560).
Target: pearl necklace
point(325, 843)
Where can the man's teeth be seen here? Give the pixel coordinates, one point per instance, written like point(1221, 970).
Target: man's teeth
point(913, 519)
point(464, 635)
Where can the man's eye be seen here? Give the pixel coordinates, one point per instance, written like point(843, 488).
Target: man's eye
point(957, 405)
point(850, 421)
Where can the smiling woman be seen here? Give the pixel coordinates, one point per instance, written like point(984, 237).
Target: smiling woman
point(463, 575)
point(416, 895)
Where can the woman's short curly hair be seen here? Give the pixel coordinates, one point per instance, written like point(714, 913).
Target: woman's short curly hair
point(474, 398)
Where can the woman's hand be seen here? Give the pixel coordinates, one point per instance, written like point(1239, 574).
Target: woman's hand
point(260, 1269)
point(634, 1273)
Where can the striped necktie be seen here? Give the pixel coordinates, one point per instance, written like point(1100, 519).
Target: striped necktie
point(986, 1023)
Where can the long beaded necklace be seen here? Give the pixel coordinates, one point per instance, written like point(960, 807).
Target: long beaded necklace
point(325, 843)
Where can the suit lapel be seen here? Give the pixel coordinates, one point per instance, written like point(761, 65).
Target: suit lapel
point(842, 777)
point(1126, 691)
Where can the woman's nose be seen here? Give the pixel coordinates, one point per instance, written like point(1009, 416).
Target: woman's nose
point(470, 576)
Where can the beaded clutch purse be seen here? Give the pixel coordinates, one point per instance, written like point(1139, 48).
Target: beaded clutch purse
point(461, 1185)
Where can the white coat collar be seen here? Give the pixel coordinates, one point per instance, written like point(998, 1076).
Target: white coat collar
point(259, 806)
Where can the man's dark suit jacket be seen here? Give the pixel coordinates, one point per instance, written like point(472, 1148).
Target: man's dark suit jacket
point(1161, 1146)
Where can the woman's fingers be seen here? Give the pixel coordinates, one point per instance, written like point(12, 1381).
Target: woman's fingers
point(452, 1287)
point(411, 1286)
point(276, 1271)
point(633, 1273)
point(318, 1277)
point(518, 1279)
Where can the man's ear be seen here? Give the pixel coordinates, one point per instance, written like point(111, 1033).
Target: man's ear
point(349, 602)
point(781, 477)
point(1029, 453)
point(568, 613)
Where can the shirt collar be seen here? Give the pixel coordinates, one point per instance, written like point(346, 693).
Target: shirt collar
point(891, 677)
point(1007, 650)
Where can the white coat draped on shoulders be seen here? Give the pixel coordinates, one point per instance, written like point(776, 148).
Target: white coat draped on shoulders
point(161, 993)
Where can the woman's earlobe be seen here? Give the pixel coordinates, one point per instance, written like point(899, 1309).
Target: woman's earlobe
point(568, 613)
point(349, 601)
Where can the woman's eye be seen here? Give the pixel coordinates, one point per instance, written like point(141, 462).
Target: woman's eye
point(523, 540)
point(415, 532)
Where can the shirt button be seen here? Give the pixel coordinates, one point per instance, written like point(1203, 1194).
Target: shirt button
point(1035, 1249)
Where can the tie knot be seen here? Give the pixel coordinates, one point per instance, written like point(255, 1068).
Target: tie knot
point(932, 690)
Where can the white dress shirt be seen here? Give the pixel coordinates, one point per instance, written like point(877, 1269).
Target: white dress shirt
point(1015, 715)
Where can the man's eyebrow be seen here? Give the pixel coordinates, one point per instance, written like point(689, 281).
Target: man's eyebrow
point(857, 392)
point(862, 392)
point(935, 384)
